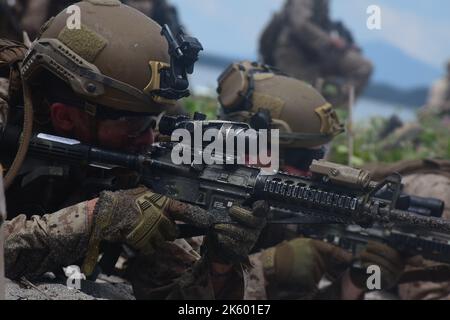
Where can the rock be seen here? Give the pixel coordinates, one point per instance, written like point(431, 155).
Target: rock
point(44, 291)
point(104, 289)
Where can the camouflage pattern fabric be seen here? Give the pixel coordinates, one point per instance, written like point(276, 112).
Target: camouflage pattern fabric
point(439, 97)
point(300, 45)
point(425, 178)
point(30, 15)
point(47, 243)
point(42, 244)
point(436, 186)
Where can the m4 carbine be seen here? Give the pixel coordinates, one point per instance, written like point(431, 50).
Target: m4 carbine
point(334, 194)
point(430, 245)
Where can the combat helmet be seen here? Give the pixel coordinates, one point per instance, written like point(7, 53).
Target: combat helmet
point(265, 98)
point(115, 60)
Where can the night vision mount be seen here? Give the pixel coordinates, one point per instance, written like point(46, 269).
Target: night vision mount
point(183, 51)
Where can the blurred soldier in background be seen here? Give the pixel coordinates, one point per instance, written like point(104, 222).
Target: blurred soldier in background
point(26, 15)
point(439, 96)
point(257, 95)
point(17, 16)
point(303, 42)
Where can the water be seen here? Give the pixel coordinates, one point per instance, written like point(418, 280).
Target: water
point(367, 108)
point(204, 82)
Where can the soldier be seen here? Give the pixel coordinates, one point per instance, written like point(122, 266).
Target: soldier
point(439, 96)
point(29, 16)
point(255, 94)
point(303, 42)
point(425, 178)
point(99, 84)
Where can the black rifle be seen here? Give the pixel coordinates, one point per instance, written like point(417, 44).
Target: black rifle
point(434, 246)
point(335, 194)
point(430, 245)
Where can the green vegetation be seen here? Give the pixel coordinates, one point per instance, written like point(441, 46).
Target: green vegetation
point(430, 138)
point(205, 105)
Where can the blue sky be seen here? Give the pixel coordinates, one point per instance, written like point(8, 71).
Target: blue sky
point(227, 27)
point(419, 28)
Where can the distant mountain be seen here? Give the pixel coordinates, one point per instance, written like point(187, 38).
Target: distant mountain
point(397, 68)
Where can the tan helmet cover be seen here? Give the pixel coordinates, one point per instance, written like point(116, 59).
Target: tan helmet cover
point(236, 84)
point(300, 112)
point(108, 61)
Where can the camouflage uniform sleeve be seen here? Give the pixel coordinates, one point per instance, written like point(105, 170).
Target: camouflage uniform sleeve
point(298, 15)
point(42, 244)
point(436, 95)
point(255, 288)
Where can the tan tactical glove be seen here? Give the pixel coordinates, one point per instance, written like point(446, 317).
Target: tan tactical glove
point(134, 217)
point(297, 266)
point(233, 242)
point(390, 261)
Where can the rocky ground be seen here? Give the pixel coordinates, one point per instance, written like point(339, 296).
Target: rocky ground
point(103, 289)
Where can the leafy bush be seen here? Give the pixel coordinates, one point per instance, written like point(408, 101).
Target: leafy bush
point(431, 140)
point(202, 104)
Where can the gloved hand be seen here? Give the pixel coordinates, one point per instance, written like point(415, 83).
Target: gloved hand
point(134, 217)
point(390, 261)
point(297, 266)
point(234, 242)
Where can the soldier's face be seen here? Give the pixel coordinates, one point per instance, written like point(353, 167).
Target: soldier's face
point(127, 134)
point(130, 134)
